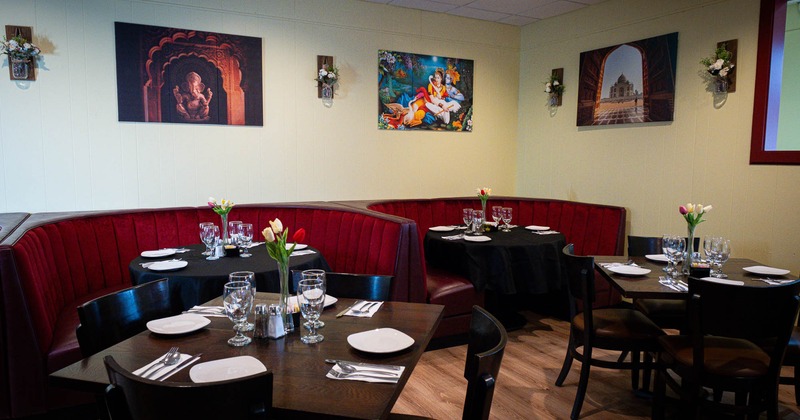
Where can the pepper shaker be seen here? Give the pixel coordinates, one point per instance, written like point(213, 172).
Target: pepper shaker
point(262, 321)
point(275, 328)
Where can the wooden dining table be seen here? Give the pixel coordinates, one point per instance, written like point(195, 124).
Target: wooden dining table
point(647, 286)
point(300, 387)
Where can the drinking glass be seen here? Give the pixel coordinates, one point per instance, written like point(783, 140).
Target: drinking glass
point(466, 216)
point(250, 278)
point(506, 213)
point(245, 239)
point(673, 246)
point(210, 238)
point(311, 274)
point(711, 254)
point(203, 226)
point(233, 231)
point(722, 248)
point(497, 214)
point(311, 298)
point(477, 222)
point(238, 300)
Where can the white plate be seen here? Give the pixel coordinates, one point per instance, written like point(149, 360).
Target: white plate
point(158, 253)
point(296, 248)
point(766, 271)
point(628, 270)
point(329, 300)
point(477, 238)
point(534, 227)
point(723, 281)
point(381, 340)
point(167, 265)
point(442, 228)
point(178, 324)
point(226, 369)
point(656, 257)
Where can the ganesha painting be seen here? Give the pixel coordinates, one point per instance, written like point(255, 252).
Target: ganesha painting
point(422, 92)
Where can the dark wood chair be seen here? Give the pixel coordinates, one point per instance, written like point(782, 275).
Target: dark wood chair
point(487, 343)
point(355, 286)
point(666, 313)
point(729, 349)
point(112, 318)
point(616, 329)
point(792, 358)
point(132, 397)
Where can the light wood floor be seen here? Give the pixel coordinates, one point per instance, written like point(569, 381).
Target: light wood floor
point(526, 384)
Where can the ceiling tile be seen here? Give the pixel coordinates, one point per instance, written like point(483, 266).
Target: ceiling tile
point(478, 14)
point(517, 20)
point(431, 6)
point(378, 1)
point(508, 6)
point(553, 9)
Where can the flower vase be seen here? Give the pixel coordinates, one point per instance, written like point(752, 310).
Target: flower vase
point(20, 68)
point(225, 239)
point(552, 100)
point(288, 322)
point(327, 91)
point(721, 85)
point(687, 261)
point(485, 217)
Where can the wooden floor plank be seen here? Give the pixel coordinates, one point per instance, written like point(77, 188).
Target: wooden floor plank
point(526, 384)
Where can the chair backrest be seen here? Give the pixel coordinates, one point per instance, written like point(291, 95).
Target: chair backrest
point(580, 277)
point(487, 342)
point(355, 286)
point(639, 246)
point(132, 397)
point(763, 315)
point(112, 318)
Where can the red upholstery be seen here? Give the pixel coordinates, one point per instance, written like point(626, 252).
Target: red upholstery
point(52, 263)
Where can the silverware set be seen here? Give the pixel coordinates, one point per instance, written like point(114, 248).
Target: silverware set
point(172, 358)
point(347, 370)
point(148, 264)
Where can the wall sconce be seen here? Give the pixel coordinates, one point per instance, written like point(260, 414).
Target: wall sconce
point(554, 87)
point(327, 77)
point(21, 59)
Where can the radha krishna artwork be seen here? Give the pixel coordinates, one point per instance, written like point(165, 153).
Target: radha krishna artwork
point(423, 92)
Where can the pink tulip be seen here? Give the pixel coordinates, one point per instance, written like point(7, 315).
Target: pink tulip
point(683, 210)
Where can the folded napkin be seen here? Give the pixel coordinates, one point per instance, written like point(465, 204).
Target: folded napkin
point(776, 282)
point(678, 287)
point(209, 311)
point(148, 264)
point(167, 371)
point(302, 252)
point(374, 306)
point(616, 264)
point(452, 237)
point(368, 374)
point(723, 281)
point(459, 227)
point(255, 244)
point(545, 232)
point(181, 250)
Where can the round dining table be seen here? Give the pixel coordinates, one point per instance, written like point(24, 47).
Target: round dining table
point(202, 280)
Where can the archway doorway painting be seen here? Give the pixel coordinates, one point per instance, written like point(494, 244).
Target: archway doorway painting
point(628, 83)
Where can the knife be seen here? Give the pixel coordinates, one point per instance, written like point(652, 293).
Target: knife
point(180, 366)
point(366, 365)
point(341, 314)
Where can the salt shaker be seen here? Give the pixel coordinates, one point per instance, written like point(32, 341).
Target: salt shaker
point(262, 321)
point(275, 328)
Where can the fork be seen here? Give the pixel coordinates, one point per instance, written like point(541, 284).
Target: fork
point(365, 308)
point(343, 375)
point(163, 361)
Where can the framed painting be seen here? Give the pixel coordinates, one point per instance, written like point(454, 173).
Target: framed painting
point(424, 92)
point(187, 76)
point(628, 83)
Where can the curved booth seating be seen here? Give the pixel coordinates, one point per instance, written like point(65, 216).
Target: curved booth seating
point(52, 263)
point(594, 229)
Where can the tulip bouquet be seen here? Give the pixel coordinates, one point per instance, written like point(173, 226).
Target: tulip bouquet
point(275, 236)
point(693, 213)
point(221, 209)
point(483, 194)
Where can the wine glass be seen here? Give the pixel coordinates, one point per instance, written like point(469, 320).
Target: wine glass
point(711, 254)
point(506, 214)
point(673, 247)
point(722, 248)
point(497, 214)
point(466, 216)
point(233, 231)
point(203, 226)
point(312, 274)
point(245, 239)
point(250, 278)
point(210, 238)
point(238, 300)
point(311, 298)
point(477, 222)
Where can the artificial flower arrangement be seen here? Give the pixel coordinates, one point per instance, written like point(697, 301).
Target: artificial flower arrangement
point(483, 194)
point(719, 65)
point(553, 85)
point(693, 213)
point(19, 48)
point(328, 74)
point(222, 208)
point(275, 236)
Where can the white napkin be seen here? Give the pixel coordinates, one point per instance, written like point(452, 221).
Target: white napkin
point(676, 287)
point(181, 250)
point(724, 281)
point(616, 264)
point(255, 244)
point(209, 311)
point(452, 237)
point(376, 378)
point(776, 282)
point(148, 264)
point(545, 232)
point(302, 252)
point(165, 372)
point(372, 309)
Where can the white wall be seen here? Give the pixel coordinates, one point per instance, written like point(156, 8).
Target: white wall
point(651, 169)
point(62, 148)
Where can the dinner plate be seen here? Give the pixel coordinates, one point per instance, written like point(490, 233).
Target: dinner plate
point(178, 324)
point(534, 227)
point(296, 248)
point(167, 265)
point(226, 369)
point(442, 228)
point(329, 300)
point(381, 340)
point(628, 270)
point(158, 253)
point(477, 238)
point(766, 271)
point(657, 257)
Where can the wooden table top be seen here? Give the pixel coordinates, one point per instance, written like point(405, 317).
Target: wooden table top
point(300, 386)
point(648, 287)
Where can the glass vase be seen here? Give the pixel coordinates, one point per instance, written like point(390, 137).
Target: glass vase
point(288, 322)
point(225, 239)
point(721, 85)
point(485, 217)
point(552, 100)
point(20, 68)
point(327, 91)
point(687, 260)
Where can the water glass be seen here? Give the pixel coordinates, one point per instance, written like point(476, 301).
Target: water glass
point(497, 214)
point(210, 236)
point(250, 278)
point(237, 299)
point(311, 298)
point(203, 225)
point(466, 216)
point(245, 235)
point(722, 249)
point(673, 247)
point(233, 231)
point(506, 214)
point(318, 274)
point(711, 254)
point(477, 222)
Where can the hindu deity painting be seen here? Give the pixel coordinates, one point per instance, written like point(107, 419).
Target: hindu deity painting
point(187, 76)
point(424, 92)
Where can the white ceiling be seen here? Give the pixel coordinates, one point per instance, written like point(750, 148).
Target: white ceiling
point(512, 12)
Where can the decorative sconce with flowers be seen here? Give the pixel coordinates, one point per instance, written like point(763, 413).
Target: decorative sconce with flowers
point(720, 67)
point(327, 77)
point(554, 87)
point(21, 52)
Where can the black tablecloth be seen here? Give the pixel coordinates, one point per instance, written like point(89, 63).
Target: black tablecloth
point(512, 262)
point(203, 280)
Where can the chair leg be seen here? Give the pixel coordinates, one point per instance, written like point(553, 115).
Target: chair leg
point(659, 394)
point(583, 382)
point(647, 371)
point(796, 369)
point(567, 363)
point(635, 370)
